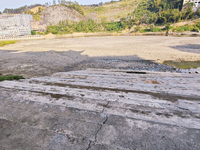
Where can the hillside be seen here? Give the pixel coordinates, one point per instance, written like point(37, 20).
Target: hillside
point(112, 11)
point(122, 16)
point(54, 14)
point(36, 9)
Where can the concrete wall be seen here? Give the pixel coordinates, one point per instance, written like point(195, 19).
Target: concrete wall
point(15, 25)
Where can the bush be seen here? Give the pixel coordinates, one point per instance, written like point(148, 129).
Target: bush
point(54, 31)
point(195, 29)
point(33, 32)
point(10, 77)
point(151, 28)
point(137, 28)
point(198, 25)
point(167, 27)
point(156, 29)
point(40, 33)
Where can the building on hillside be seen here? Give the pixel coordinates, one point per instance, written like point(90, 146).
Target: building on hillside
point(37, 26)
point(17, 25)
point(196, 2)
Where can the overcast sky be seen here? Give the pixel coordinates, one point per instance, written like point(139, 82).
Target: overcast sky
point(18, 3)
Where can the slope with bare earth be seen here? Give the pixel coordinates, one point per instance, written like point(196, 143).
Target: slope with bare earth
point(54, 14)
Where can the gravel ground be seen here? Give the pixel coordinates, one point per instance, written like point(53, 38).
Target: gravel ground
point(35, 64)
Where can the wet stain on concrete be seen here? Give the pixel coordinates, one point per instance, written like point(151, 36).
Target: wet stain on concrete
point(162, 96)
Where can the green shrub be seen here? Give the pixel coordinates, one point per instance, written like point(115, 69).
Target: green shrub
point(10, 77)
point(151, 28)
point(54, 31)
point(137, 28)
point(144, 30)
point(33, 32)
point(40, 33)
point(198, 25)
point(156, 29)
point(195, 29)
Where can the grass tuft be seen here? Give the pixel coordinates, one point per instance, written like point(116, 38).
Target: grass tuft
point(10, 77)
point(3, 43)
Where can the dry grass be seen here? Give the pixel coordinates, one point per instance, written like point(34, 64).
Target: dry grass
point(35, 9)
point(3, 43)
point(109, 13)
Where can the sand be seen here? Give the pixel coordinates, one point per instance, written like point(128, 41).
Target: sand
point(155, 48)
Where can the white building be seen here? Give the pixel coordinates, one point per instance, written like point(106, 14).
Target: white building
point(196, 2)
point(15, 25)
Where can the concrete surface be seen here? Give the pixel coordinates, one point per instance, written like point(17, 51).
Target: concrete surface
point(99, 109)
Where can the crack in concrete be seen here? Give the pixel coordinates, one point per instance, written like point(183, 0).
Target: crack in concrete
point(89, 145)
point(106, 119)
point(105, 106)
point(95, 136)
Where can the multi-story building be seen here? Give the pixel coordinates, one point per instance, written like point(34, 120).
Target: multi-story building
point(196, 2)
point(16, 25)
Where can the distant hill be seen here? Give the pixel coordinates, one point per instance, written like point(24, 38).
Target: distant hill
point(20, 10)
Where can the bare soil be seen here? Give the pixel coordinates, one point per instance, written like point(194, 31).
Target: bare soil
point(32, 58)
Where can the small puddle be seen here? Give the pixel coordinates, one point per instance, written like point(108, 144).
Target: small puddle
point(184, 66)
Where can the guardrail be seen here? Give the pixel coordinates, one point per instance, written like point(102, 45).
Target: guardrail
point(20, 37)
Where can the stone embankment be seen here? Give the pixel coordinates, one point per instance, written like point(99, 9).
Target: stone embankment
point(101, 109)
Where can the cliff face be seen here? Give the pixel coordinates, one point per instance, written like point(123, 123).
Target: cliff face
point(52, 15)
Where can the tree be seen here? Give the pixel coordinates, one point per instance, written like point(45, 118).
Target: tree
point(167, 27)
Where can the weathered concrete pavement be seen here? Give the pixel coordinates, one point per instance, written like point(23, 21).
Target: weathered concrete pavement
point(101, 109)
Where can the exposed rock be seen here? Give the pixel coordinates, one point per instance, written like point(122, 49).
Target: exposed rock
point(52, 15)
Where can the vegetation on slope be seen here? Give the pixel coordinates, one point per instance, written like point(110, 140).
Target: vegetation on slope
point(150, 12)
point(20, 9)
point(113, 10)
point(36, 15)
point(76, 7)
point(163, 11)
point(3, 43)
point(66, 27)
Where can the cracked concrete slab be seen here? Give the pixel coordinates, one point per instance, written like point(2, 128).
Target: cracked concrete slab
point(101, 109)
